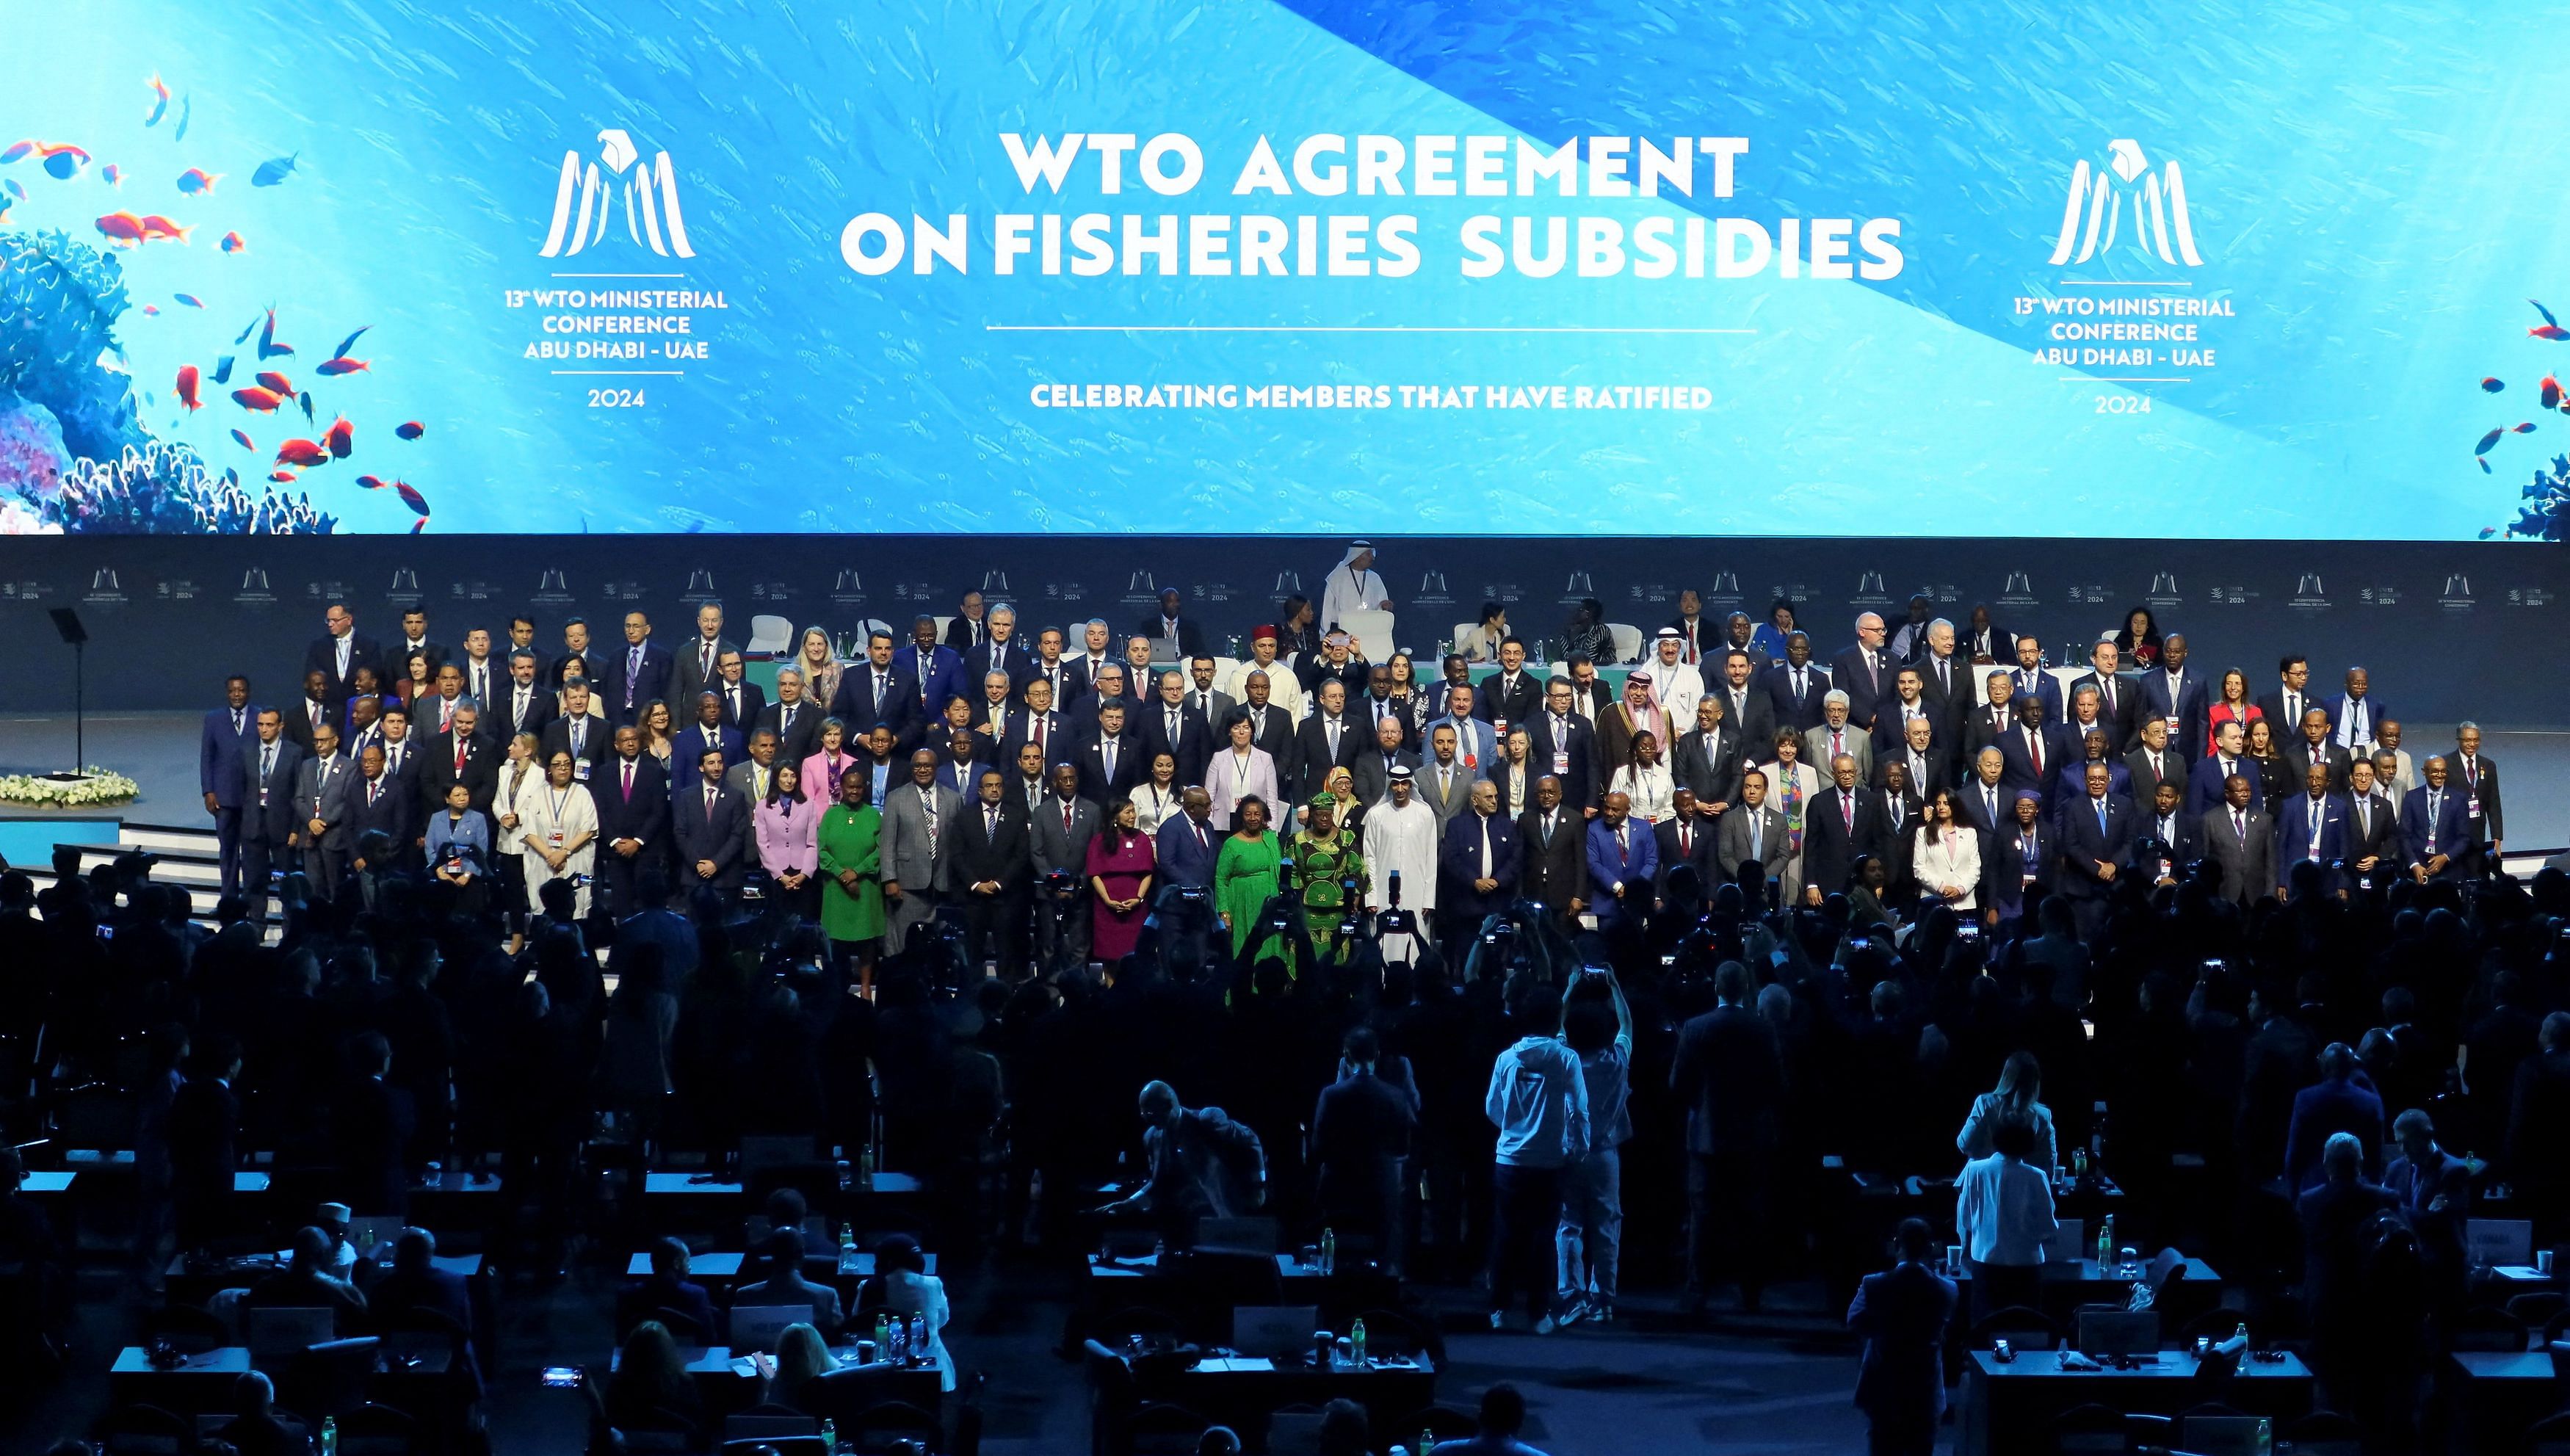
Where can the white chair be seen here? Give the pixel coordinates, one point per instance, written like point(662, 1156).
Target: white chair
point(1462, 628)
point(944, 620)
point(1628, 640)
point(769, 634)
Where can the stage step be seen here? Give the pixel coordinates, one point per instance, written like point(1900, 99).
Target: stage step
point(164, 840)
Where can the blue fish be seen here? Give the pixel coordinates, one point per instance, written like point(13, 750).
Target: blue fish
point(271, 172)
point(187, 106)
point(15, 190)
point(223, 371)
point(63, 165)
point(245, 334)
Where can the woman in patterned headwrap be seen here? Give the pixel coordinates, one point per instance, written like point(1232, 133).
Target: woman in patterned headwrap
point(1324, 853)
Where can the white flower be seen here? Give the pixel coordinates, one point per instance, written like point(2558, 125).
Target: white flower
point(100, 790)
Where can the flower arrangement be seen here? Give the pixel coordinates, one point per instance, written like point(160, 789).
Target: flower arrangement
point(100, 790)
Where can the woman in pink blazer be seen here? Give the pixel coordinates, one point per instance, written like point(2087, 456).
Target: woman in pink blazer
point(788, 826)
point(1239, 771)
point(834, 756)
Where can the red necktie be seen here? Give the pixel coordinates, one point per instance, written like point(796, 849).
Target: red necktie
point(459, 758)
point(629, 779)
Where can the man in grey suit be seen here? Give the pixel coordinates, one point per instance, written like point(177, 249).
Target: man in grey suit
point(1836, 736)
point(751, 777)
point(795, 720)
point(1204, 702)
point(1372, 770)
point(270, 831)
point(2236, 840)
point(1064, 824)
point(321, 807)
point(1754, 830)
point(918, 853)
point(699, 659)
point(1443, 783)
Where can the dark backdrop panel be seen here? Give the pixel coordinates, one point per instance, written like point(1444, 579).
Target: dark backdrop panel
point(2448, 630)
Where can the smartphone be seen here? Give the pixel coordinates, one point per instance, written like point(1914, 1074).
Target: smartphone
point(562, 1378)
point(106, 932)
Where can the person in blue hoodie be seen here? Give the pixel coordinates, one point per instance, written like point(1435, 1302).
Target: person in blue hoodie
point(1539, 1100)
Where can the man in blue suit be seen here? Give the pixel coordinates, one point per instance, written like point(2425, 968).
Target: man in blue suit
point(2171, 691)
point(880, 691)
point(1623, 864)
point(2096, 839)
point(1187, 844)
point(710, 735)
point(1796, 689)
point(635, 674)
point(2204, 785)
point(219, 772)
point(938, 670)
point(269, 828)
point(2435, 825)
point(2311, 825)
point(1477, 745)
point(1901, 1314)
point(1562, 744)
point(2036, 750)
point(2033, 679)
point(1478, 864)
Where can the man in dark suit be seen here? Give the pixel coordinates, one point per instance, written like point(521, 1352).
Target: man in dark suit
point(1945, 679)
point(309, 712)
point(321, 805)
point(1271, 729)
point(2031, 677)
point(1902, 1313)
point(2238, 842)
point(1477, 865)
point(2311, 826)
point(2204, 782)
point(415, 642)
point(2167, 822)
point(668, 1287)
point(270, 830)
point(792, 719)
point(993, 876)
point(2119, 704)
point(710, 825)
point(381, 805)
point(2096, 844)
point(521, 704)
point(699, 665)
point(2310, 745)
point(577, 732)
point(936, 672)
point(1920, 757)
point(1623, 867)
point(2177, 695)
point(459, 756)
point(1686, 839)
point(1727, 1076)
point(2037, 751)
point(632, 792)
point(1168, 624)
point(1330, 739)
point(2292, 696)
point(1552, 853)
point(2373, 847)
point(2434, 825)
point(880, 691)
point(2155, 761)
point(576, 643)
point(1168, 727)
point(1111, 762)
point(1564, 744)
point(227, 731)
point(1511, 695)
point(1862, 671)
point(1372, 772)
point(1039, 722)
point(1893, 716)
point(1841, 824)
point(402, 757)
point(1797, 690)
point(1992, 718)
point(1000, 650)
point(970, 627)
point(1745, 704)
point(338, 654)
point(2476, 776)
point(1707, 760)
point(1362, 1135)
point(742, 701)
point(1986, 800)
point(634, 674)
point(708, 732)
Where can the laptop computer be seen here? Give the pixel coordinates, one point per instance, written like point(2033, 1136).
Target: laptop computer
point(1273, 1329)
point(2105, 1331)
point(759, 1327)
point(2492, 1241)
point(286, 1331)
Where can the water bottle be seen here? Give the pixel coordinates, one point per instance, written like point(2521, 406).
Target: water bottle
point(330, 1435)
point(866, 1169)
point(1357, 1342)
point(1329, 1251)
point(848, 1249)
point(829, 1436)
point(899, 1348)
point(883, 1336)
point(1427, 1440)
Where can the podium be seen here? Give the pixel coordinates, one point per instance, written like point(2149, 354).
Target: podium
point(1372, 630)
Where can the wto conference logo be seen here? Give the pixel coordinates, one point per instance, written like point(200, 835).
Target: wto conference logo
point(2158, 207)
point(1870, 591)
point(1577, 586)
point(1432, 588)
point(2163, 592)
point(652, 222)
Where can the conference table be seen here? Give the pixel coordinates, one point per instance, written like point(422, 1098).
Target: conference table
point(2498, 1393)
point(2008, 1408)
point(2065, 1286)
point(1245, 1392)
point(727, 1382)
point(202, 1382)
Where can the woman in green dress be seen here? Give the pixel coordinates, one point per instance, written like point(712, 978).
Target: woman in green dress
point(1325, 854)
point(852, 905)
point(1244, 872)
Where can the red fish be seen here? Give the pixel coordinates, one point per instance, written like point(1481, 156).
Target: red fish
point(188, 388)
point(242, 440)
point(271, 379)
point(190, 299)
point(122, 228)
point(151, 310)
point(114, 173)
point(371, 482)
point(197, 180)
point(16, 149)
point(2525, 429)
point(232, 242)
point(257, 398)
point(410, 430)
point(2552, 332)
point(2487, 441)
point(46, 150)
point(285, 477)
point(2492, 386)
point(157, 226)
point(341, 437)
point(333, 368)
point(411, 497)
point(302, 452)
point(419, 525)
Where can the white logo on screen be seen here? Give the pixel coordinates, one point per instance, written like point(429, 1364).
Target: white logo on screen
point(2159, 208)
point(650, 221)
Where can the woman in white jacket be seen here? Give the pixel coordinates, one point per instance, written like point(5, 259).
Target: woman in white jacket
point(1948, 861)
point(558, 832)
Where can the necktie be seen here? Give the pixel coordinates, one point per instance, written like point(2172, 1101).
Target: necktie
point(1838, 741)
point(460, 745)
point(579, 734)
point(2364, 820)
point(711, 793)
point(2435, 803)
point(1757, 834)
point(2240, 824)
point(236, 725)
point(1990, 805)
point(2157, 772)
point(373, 787)
point(2106, 687)
point(879, 691)
point(990, 821)
point(2034, 749)
point(1847, 809)
point(2317, 819)
point(632, 671)
point(345, 643)
point(1798, 683)
point(629, 779)
point(1334, 740)
point(1201, 842)
point(1040, 741)
point(1944, 682)
point(314, 710)
point(1445, 782)
point(1684, 838)
point(1107, 749)
point(2102, 816)
point(706, 657)
point(928, 812)
point(786, 720)
point(1173, 726)
point(758, 782)
point(1065, 817)
point(1623, 845)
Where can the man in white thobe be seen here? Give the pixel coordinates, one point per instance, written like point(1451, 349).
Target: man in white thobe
point(1401, 835)
point(1354, 587)
point(1673, 687)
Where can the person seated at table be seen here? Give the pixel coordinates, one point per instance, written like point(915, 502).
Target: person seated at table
point(903, 1285)
point(650, 1386)
point(333, 1219)
point(307, 1284)
point(667, 1288)
point(1902, 1313)
point(785, 1283)
point(2003, 1215)
point(416, 1282)
point(254, 1429)
point(1494, 1428)
point(802, 1356)
point(1344, 1431)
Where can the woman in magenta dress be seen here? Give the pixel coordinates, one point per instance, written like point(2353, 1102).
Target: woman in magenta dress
point(1119, 882)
